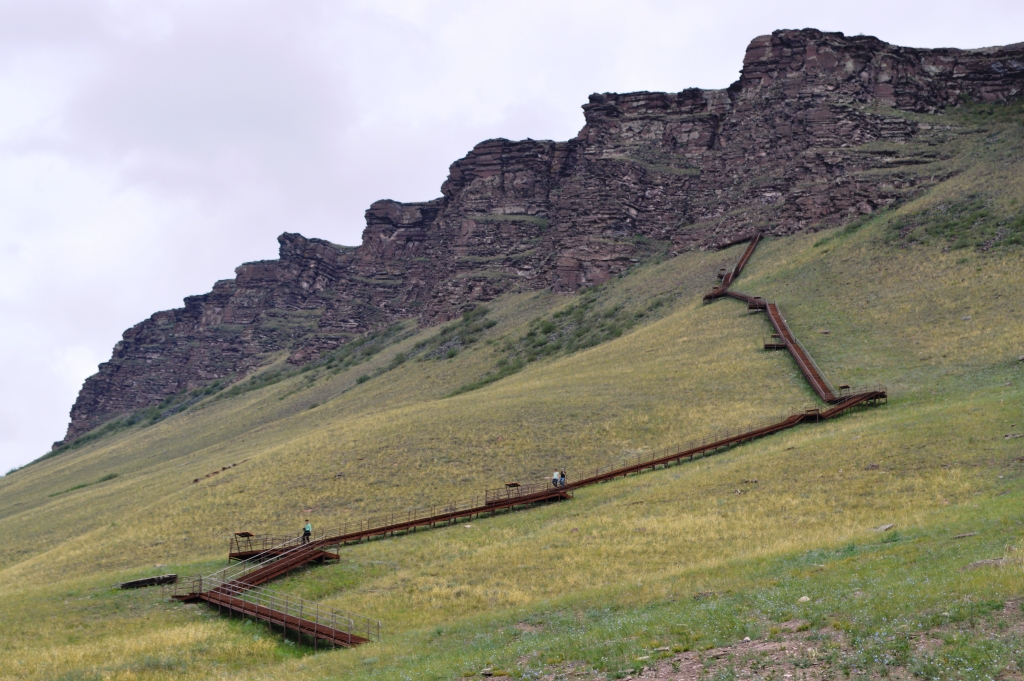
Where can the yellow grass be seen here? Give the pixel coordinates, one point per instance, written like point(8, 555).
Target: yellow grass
point(894, 315)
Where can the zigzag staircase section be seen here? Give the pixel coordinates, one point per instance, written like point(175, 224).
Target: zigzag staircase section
point(305, 619)
point(238, 588)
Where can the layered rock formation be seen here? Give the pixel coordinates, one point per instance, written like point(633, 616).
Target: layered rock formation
point(783, 149)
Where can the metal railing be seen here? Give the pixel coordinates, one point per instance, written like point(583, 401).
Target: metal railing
point(479, 503)
point(485, 502)
point(524, 492)
point(290, 612)
point(807, 365)
point(717, 439)
point(382, 523)
point(720, 438)
point(228, 588)
point(257, 543)
point(227, 583)
point(747, 253)
point(846, 395)
point(279, 548)
point(286, 550)
point(846, 391)
point(474, 505)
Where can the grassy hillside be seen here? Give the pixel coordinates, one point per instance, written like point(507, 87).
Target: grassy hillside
point(630, 572)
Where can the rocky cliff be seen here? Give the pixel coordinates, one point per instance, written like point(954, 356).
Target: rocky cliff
point(787, 147)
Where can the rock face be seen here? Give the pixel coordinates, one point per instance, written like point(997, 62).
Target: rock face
point(782, 149)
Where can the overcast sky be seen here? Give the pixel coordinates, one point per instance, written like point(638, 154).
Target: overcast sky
point(148, 148)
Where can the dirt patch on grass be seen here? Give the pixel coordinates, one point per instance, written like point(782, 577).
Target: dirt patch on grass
point(792, 653)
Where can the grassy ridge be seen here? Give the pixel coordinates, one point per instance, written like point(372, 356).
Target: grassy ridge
point(611, 576)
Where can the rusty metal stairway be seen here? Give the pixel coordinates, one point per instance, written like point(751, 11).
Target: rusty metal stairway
point(753, 302)
point(784, 338)
point(238, 588)
point(279, 560)
point(713, 443)
point(808, 367)
point(284, 555)
point(727, 279)
point(304, 618)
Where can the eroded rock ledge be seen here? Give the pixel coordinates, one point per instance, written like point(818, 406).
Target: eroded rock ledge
point(780, 150)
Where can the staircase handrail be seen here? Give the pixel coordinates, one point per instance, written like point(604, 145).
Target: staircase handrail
point(286, 604)
point(796, 356)
point(745, 257)
point(257, 543)
point(279, 552)
point(706, 442)
point(717, 438)
point(480, 502)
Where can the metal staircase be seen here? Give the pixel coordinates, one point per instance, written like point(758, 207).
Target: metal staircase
point(238, 589)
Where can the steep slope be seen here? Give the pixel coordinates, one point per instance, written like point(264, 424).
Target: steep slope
point(792, 145)
point(923, 297)
point(625, 570)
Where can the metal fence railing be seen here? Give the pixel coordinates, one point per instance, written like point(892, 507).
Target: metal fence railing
point(747, 253)
point(473, 505)
point(512, 493)
point(807, 365)
point(516, 492)
point(237, 587)
point(248, 543)
point(285, 610)
point(228, 586)
point(288, 549)
point(699, 446)
point(325, 537)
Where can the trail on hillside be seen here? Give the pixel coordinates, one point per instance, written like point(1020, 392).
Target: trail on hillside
point(239, 588)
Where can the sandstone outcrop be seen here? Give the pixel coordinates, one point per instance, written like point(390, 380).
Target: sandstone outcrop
point(782, 150)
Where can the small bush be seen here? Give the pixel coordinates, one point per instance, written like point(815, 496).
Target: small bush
point(970, 223)
point(453, 337)
point(578, 326)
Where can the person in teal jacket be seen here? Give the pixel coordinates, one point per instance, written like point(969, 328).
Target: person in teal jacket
point(307, 532)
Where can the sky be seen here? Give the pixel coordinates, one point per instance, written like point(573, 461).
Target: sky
point(149, 148)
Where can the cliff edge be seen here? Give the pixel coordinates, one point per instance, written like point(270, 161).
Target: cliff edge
point(785, 148)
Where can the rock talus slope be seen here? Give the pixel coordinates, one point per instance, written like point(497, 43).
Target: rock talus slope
point(782, 150)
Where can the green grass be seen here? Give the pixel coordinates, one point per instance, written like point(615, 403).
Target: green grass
point(598, 316)
point(108, 476)
point(352, 353)
point(693, 556)
point(453, 337)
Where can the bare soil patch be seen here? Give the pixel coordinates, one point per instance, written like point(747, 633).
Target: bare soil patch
point(796, 654)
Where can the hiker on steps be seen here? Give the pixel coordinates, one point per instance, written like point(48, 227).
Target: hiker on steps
point(554, 479)
point(307, 532)
point(561, 478)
